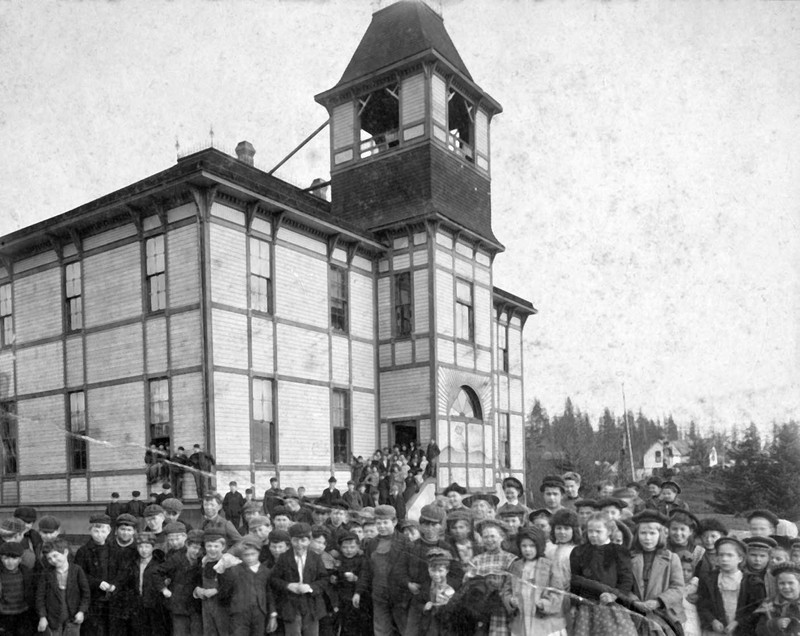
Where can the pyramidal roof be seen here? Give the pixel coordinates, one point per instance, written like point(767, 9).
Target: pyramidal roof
point(400, 31)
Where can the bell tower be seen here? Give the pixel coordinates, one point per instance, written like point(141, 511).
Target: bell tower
point(410, 128)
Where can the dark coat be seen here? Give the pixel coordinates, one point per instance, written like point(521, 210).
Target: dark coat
point(184, 577)
point(232, 504)
point(29, 580)
point(291, 605)
point(90, 557)
point(398, 575)
point(709, 602)
point(598, 569)
point(328, 496)
point(151, 596)
point(48, 600)
point(247, 588)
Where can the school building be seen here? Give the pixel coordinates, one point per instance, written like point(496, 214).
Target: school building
point(214, 303)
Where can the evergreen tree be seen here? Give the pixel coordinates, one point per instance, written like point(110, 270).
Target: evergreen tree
point(742, 486)
point(783, 488)
point(670, 428)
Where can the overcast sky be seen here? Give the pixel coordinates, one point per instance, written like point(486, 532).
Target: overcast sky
point(645, 176)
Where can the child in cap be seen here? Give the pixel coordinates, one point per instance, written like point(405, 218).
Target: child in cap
point(149, 614)
point(114, 508)
point(176, 536)
point(135, 506)
point(252, 606)
point(781, 613)
point(215, 615)
point(62, 594)
point(49, 529)
point(182, 569)
point(93, 557)
point(279, 542)
point(438, 593)
point(122, 562)
point(709, 532)
point(17, 583)
point(681, 531)
point(351, 620)
point(668, 500)
point(31, 539)
point(232, 504)
point(321, 539)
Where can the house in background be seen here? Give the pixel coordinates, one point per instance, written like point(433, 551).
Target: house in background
point(665, 454)
point(214, 303)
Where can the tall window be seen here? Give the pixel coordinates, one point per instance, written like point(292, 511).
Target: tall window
point(72, 291)
point(260, 278)
point(402, 304)
point(263, 429)
point(156, 273)
point(502, 346)
point(9, 431)
point(337, 285)
point(159, 409)
point(465, 329)
point(77, 427)
point(505, 440)
point(6, 318)
point(341, 426)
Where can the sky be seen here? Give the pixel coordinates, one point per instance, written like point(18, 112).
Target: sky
point(645, 170)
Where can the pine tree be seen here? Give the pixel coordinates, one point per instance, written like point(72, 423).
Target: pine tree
point(783, 488)
point(742, 486)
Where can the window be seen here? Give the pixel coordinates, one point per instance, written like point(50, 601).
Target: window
point(72, 291)
point(658, 457)
point(502, 346)
point(466, 405)
point(464, 321)
point(159, 409)
point(263, 429)
point(8, 430)
point(337, 284)
point(156, 273)
point(402, 304)
point(260, 279)
point(77, 428)
point(379, 119)
point(6, 318)
point(461, 124)
point(505, 440)
point(341, 426)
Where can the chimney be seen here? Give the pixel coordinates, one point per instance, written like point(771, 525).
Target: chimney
point(321, 190)
point(245, 152)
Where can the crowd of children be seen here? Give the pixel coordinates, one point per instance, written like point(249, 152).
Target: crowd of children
point(612, 565)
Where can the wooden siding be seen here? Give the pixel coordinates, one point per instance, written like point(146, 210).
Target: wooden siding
point(422, 350)
point(303, 240)
point(151, 223)
point(302, 353)
point(40, 368)
point(182, 212)
point(188, 418)
point(412, 99)
point(483, 360)
point(502, 393)
point(464, 249)
point(465, 355)
point(183, 278)
point(445, 297)
point(232, 418)
point(483, 276)
point(445, 351)
point(517, 442)
point(482, 258)
point(229, 338)
point(74, 361)
point(444, 258)
point(363, 437)
point(262, 353)
point(228, 266)
point(515, 351)
point(420, 257)
point(362, 306)
point(362, 263)
point(385, 355)
point(116, 416)
point(405, 393)
point(421, 310)
point(363, 363)
point(261, 225)
point(42, 442)
point(43, 491)
point(305, 424)
point(112, 288)
point(301, 287)
point(78, 488)
point(424, 432)
point(37, 306)
point(340, 255)
point(384, 308)
point(109, 236)
point(445, 239)
point(403, 353)
point(482, 132)
point(515, 395)
point(483, 315)
point(227, 212)
point(401, 261)
point(42, 258)
point(439, 100)
point(340, 360)
point(156, 344)
point(463, 268)
point(185, 339)
point(342, 125)
point(6, 375)
point(114, 353)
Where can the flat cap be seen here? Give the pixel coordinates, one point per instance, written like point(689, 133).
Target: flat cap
point(766, 543)
point(146, 537)
point(122, 520)
point(587, 503)
point(432, 514)
point(99, 517)
point(300, 530)
point(195, 536)
point(385, 512)
point(49, 523)
point(171, 504)
point(26, 513)
point(512, 511)
point(11, 549)
point(672, 485)
point(492, 523)
point(438, 556)
point(258, 521)
point(175, 527)
point(279, 536)
point(553, 481)
point(213, 496)
point(214, 534)
point(152, 510)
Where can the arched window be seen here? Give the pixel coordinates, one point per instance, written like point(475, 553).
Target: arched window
point(466, 405)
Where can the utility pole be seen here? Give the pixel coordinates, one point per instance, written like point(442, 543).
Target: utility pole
point(628, 433)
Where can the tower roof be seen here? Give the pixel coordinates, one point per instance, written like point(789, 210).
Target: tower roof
point(398, 32)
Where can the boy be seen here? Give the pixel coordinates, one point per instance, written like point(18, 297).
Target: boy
point(182, 569)
point(281, 519)
point(166, 493)
point(260, 528)
point(585, 509)
point(330, 494)
point(135, 506)
point(16, 592)
point(279, 542)
point(385, 574)
point(410, 529)
point(31, 539)
point(232, 504)
point(115, 508)
point(93, 558)
point(781, 615)
point(369, 529)
point(299, 597)
point(320, 540)
point(149, 613)
point(215, 615)
point(49, 528)
point(337, 524)
point(62, 595)
point(710, 531)
point(668, 500)
point(351, 620)
point(176, 537)
point(172, 512)
point(252, 608)
point(249, 510)
point(439, 591)
point(762, 523)
point(758, 550)
point(212, 504)
point(352, 497)
point(122, 557)
point(553, 490)
point(514, 517)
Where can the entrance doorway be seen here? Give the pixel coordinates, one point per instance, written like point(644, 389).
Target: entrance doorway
point(405, 432)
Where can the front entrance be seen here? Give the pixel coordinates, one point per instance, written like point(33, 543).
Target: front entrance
point(404, 433)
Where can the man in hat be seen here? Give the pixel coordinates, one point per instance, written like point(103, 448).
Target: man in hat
point(413, 483)
point(330, 494)
point(385, 574)
point(297, 512)
point(273, 497)
point(93, 557)
point(552, 490)
point(135, 506)
point(298, 581)
point(212, 504)
point(232, 504)
point(115, 507)
point(202, 463)
point(177, 469)
point(31, 540)
point(432, 453)
point(572, 487)
point(455, 494)
point(166, 492)
point(352, 497)
point(17, 583)
point(514, 492)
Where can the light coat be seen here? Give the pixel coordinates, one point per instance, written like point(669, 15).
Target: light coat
point(665, 583)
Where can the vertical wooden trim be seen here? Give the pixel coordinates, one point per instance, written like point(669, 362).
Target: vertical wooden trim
point(250, 213)
point(433, 338)
point(375, 349)
point(277, 222)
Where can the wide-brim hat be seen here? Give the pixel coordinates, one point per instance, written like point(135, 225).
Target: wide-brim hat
point(489, 498)
point(496, 523)
point(682, 515)
point(539, 512)
point(671, 484)
point(514, 483)
point(586, 503)
point(608, 502)
point(650, 516)
point(764, 514)
point(455, 487)
point(553, 481)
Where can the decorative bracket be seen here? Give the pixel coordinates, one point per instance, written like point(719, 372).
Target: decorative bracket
point(76, 240)
point(277, 222)
point(352, 248)
point(333, 242)
point(55, 243)
point(203, 199)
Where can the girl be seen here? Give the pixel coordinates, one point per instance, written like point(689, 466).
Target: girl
point(710, 531)
point(682, 528)
point(692, 625)
point(459, 526)
point(529, 593)
point(601, 573)
point(657, 572)
point(565, 535)
point(492, 564)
